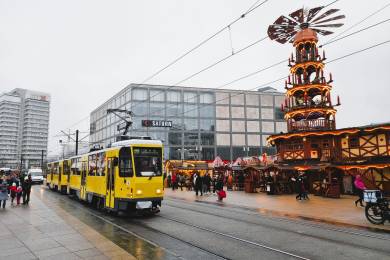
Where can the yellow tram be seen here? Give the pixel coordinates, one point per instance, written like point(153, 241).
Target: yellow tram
point(125, 177)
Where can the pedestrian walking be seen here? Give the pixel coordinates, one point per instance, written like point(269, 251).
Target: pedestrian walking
point(229, 182)
point(169, 180)
point(360, 187)
point(3, 192)
point(26, 189)
point(174, 181)
point(206, 183)
point(219, 188)
point(198, 183)
point(12, 190)
point(300, 186)
point(19, 192)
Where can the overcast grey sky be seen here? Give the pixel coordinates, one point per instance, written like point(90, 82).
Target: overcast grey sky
point(84, 51)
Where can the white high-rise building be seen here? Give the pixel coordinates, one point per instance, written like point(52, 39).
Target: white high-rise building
point(24, 126)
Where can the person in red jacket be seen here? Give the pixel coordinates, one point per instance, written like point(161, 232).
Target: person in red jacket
point(174, 181)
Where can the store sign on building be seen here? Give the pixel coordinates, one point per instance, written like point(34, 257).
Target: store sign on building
point(156, 123)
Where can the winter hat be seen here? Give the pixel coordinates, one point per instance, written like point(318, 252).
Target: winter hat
point(14, 184)
point(26, 178)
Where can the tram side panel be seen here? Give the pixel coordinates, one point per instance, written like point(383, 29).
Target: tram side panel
point(75, 176)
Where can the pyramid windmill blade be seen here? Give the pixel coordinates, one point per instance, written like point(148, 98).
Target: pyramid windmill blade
point(322, 32)
point(331, 19)
point(285, 37)
point(313, 12)
point(276, 31)
point(327, 13)
point(297, 15)
point(284, 20)
point(335, 25)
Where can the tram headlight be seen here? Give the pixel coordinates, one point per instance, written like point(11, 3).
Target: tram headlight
point(158, 191)
point(138, 192)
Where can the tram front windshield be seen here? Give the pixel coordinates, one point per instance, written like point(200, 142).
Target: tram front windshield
point(147, 161)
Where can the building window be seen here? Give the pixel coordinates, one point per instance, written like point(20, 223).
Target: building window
point(281, 127)
point(253, 140)
point(157, 109)
point(252, 100)
point(173, 96)
point(190, 97)
point(206, 111)
point(238, 112)
point(139, 109)
point(266, 100)
point(208, 154)
point(140, 94)
point(238, 126)
point(222, 112)
point(207, 138)
point(267, 113)
point(252, 113)
point(267, 127)
point(190, 110)
point(190, 124)
point(174, 138)
point(175, 153)
point(191, 139)
point(237, 99)
point(279, 114)
point(223, 125)
point(222, 98)
point(238, 152)
point(238, 139)
point(207, 125)
point(223, 139)
point(157, 95)
point(206, 98)
point(223, 152)
point(174, 109)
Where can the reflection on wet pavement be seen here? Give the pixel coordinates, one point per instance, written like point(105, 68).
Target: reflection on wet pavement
point(103, 223)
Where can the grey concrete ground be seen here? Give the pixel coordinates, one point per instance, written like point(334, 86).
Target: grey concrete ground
point(193, 230)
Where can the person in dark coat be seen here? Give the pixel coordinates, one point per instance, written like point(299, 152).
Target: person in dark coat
point(26, 189)
point(198, 185)
point(207, 183)
point(3, 192)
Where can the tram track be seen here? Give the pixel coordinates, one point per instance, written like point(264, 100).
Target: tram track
point(143, 230)
point(245, 241)
point(277, 219)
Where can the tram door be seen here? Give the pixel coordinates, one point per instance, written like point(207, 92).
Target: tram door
point(83, 187)
point(110, 183)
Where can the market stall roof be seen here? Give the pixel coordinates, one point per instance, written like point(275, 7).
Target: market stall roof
point(187, 165)
point(218, 162)
point(349, 130)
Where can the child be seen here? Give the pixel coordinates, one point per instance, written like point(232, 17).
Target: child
point(13, 192)
point(19, 191)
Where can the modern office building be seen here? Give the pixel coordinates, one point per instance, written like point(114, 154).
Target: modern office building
point(195, 123)
point(24, 125)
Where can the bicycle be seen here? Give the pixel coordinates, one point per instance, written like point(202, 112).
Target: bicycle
point(377, 208)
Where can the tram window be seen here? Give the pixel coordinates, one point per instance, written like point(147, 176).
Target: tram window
point(125, 162)
point(92, 165)
point(147, 161)
point(101, 164)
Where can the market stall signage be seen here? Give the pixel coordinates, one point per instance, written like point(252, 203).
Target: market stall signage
point(156, 123)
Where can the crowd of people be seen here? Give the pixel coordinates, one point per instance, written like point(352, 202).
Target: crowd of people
point(16, 187)
point(201, 184)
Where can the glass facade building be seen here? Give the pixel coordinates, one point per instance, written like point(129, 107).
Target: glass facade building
point(24, 126)
point(205, 122)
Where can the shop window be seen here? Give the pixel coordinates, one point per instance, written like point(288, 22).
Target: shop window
point(208, 154)
point(223, 152)
point(191, 139)
point(207, 125)
point(174, 138)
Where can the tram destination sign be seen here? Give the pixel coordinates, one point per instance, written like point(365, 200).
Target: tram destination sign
point(156, 123)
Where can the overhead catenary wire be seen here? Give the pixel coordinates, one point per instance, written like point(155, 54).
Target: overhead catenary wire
point(359, 22)
point(284, 77)
point(251, 9)
point(282, 61)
